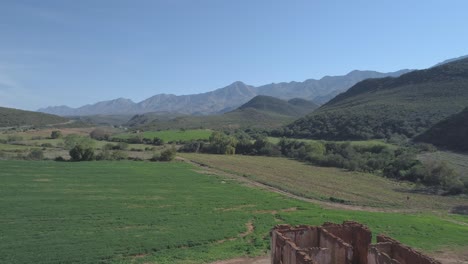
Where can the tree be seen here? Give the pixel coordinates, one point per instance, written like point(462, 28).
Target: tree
point(221, 143)
point(73, 140)
point(56, 134)
point(158, 141)
point(36, 154)
point(100, 134)
point(168, 154)
point(79, 153)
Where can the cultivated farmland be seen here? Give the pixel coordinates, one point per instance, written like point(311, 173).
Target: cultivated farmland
point(139, 212)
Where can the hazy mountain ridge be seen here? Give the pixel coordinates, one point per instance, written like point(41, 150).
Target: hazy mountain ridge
point(380, 108)
point(223, 99)
point(319, 91)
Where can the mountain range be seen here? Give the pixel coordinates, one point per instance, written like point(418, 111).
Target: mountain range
point(381, 108)
point(224, 99)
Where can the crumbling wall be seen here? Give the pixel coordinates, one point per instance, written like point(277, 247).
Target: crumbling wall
point(306, 244)
point(284, 249)
point(356, 235)
point(339, 251)
point(380, 254)
point(399, 252)
point(348, 243)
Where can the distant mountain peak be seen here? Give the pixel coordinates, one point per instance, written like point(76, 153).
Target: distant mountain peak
point(223, 99)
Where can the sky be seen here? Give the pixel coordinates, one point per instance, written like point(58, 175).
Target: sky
point(67, 52)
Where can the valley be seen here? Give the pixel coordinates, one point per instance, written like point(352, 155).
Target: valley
point(203, 178)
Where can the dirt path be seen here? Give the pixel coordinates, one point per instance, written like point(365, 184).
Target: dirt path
point(211, 170)
point(257, 260)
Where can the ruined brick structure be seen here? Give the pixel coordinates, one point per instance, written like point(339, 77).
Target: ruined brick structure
point(348, 243)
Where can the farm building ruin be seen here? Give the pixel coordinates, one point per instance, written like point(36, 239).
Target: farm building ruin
point(347, 243)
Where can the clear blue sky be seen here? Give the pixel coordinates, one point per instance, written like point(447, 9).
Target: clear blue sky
point(78, 52)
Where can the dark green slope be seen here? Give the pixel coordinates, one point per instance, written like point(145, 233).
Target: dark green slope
point(262, 112)
point(294, 107)
point(451, 133)
point(240, 118)
point(379, 108)
point(10, 117)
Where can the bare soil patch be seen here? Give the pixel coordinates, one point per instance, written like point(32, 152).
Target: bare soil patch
point(245, 260)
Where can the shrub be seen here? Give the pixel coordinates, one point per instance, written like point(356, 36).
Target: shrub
point(56, 134)
point(168, 154)
point(100, 134)
point(156, 156)
point(14, 138)
point(59, 158)
point(36, 154)
point(192, 146)
point(119, 155)
point(79, 153)
point(121, 146)
point(73, 140)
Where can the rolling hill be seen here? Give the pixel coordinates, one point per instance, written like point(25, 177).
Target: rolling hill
point(223, 99)
point(10, 117)
point(380, 108)
point(295, 107)
point(450, 133)
point(264, 112)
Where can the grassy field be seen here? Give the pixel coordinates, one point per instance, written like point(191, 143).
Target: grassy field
point(40, 139)
point(170, 135)
point(140, 212)
point(322, 183)
point(45, 133)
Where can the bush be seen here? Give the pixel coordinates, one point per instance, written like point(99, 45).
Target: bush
point(14, 138)
point(47, 145)
point(72, 140)
point(119, 155)
point(56, 134)
point(79, 153)
point(59, 158)
point(156, 156)
point(192, 146)
point(36, 154)
point(168, 154)
point(100, 134)
point(121, 146)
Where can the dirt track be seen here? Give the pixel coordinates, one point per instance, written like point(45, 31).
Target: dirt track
point(210, 170)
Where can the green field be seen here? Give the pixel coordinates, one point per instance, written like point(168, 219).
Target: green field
point(139, 212)
point(170, 135)
point(322, 183)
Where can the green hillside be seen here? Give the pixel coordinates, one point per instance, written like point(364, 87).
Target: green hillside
point(450, 133)
point(294, 107)
point(240, 118)
point(10, 117)
point(263, 112)
point(380, 108)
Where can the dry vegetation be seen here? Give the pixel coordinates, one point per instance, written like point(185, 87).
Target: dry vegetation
point(323, 183)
